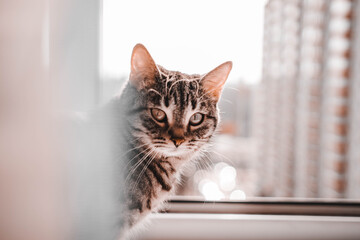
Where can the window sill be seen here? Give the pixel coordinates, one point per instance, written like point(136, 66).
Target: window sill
point(185, 226)
point(290, 219)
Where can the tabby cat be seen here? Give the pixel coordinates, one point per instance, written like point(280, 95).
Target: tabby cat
point(167, 119)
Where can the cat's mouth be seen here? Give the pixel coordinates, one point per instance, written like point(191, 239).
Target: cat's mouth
point(173, 151)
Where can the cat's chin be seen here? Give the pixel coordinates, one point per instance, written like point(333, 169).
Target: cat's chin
point(175, 152)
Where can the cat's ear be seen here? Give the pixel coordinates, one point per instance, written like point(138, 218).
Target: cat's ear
point(214, 81)
point(143, 68)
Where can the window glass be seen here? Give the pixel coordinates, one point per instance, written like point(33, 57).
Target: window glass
point(289, 121)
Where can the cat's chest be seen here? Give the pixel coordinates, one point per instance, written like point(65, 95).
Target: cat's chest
point(161, 194)
point(155, 202)
point(152, 185)
point(163, 184)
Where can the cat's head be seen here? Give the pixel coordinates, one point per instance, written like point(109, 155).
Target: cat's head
point(173, 114)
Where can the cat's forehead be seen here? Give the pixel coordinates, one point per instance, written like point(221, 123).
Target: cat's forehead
point(172, 81)
point(173, 76)
point(179, 92)
point(179, 88)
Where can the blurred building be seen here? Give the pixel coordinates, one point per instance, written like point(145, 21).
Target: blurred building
point(235, 105)
point(307, 114)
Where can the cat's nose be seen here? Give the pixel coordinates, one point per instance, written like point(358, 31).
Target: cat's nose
point(177, 141)
point(177, 135)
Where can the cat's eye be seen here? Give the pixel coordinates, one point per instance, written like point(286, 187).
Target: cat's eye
point(196, 119)
point(158, 114)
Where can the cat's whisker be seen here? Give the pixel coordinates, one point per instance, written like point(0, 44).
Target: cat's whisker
point(201, 164)
point(132, 149)
point(223, 157)
point(137, 139)
point(144, 169)
point(141, 159)
point(210, 163)
point(232, 88)
point(208, 166)
point(227, 101)
point(133, 169)
point(143, 151)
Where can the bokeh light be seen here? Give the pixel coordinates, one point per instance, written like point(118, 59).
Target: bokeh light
point(238, 195)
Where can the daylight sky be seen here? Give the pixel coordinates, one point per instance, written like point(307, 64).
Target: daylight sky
point(192, 36)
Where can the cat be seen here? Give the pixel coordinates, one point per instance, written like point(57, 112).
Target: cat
point(163, 120)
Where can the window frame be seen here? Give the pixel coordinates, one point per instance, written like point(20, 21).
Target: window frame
point(273, 206)
point(258, 218)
